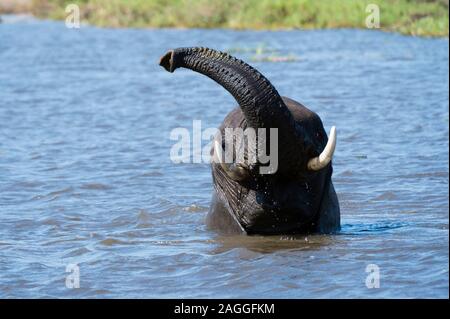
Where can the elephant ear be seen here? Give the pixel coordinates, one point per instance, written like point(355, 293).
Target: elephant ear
point(329, 214)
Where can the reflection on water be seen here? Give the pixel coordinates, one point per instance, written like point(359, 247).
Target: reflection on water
point(271, 244)
point(86, 176)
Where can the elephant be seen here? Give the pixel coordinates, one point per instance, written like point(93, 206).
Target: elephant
point(298, 197)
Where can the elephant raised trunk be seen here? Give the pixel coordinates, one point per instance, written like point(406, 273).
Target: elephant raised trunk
point(296, 197)
point(258, 99)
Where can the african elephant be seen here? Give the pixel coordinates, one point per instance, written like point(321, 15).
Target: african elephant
point(297, 197)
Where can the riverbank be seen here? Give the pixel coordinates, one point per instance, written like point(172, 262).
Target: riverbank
point(412, 17)
point(15, 6)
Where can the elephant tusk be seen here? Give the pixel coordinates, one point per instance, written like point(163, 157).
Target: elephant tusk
point(325, 157)
point(218, 156)
point(234, 171)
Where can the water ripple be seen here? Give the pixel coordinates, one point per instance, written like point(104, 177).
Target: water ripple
point(86, 176)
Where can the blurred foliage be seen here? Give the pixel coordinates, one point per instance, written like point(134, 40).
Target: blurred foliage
point(415, 17)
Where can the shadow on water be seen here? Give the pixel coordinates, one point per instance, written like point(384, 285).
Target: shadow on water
point(272, 244)
point(373, 228)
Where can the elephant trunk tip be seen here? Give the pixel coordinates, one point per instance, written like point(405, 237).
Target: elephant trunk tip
point(166, 61)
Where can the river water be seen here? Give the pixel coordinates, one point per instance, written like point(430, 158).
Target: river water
point(86, 177)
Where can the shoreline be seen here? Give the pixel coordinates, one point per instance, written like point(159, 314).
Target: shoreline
point(422, 18)
point(27, 15)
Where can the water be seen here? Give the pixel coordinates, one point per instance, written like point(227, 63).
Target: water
point(86, 178)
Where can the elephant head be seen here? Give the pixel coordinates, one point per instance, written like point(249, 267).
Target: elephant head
point(298, 196)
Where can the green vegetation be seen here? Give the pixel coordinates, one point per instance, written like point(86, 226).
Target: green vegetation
point(414, 17)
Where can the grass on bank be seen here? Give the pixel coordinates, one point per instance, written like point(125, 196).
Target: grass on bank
point(414, 17)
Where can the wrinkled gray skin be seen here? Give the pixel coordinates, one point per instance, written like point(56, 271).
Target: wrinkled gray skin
point(293, 199)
